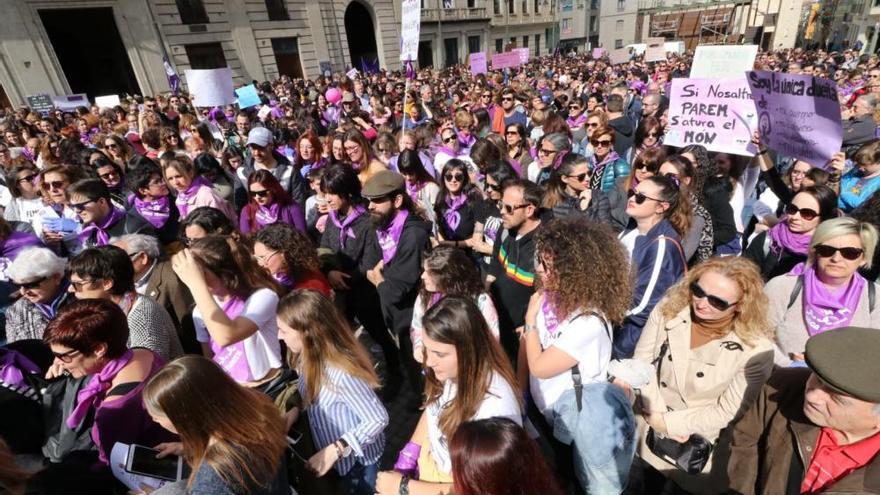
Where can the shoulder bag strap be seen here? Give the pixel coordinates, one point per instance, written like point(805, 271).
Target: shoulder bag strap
point(677, 244)
point(872, 295)
point(576, 371)
point(795, 291)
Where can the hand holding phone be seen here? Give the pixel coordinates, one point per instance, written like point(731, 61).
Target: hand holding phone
point(146, 461)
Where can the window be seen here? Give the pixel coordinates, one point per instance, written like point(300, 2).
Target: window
point(192, 12)
point(618, 44)
point(621, 5)
point(509, 6)
point(537, 44)
point(499, 45)
point(525, 41)
point(594, 5)
point(525, 6)
point(496, 7)
point(618, 26)
point(566, 26)
point(450, 46)
point(537, 6)
point(472, 4)
point(277, 10)
point(205, 56)
point(473, 44)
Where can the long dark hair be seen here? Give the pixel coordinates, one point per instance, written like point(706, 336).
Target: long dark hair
point(409, 163)
point(680, 209)
point(467, 188)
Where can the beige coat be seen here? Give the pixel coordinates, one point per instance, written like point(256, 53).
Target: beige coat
point(700, 390)
point(789, 324)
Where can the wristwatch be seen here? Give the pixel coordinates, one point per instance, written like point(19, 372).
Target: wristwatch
point(342, 448)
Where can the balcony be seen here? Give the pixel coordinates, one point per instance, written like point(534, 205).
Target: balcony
point(455, 14)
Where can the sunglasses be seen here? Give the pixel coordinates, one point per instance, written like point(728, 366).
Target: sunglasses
point(850, 253)
point(260, 194)
point(714, 301)
point(509, 209)
point(574, 107)
point(649, 167)
point(111, 145)
point(593, 124)
point(487, 96)
point(108, 175)
point(55, 184)
point(31, 285)
point(454, 177)
point(449, 139)
point(603, 142)
point(640, 198)
point(580, 177)
point(492, 187)
point(806, 213)
point(80, 207)
point(506, 99)
point(26, 178)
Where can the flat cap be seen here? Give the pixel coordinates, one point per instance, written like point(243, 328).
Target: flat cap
point(846, 359)
point(382, 184)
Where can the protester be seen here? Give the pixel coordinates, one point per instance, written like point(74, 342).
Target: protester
point(863, 180)
point(26, 201)
point(152, 201)
point(552, 148)
point(569, 193)
point(101, 219)
point(290, 258)
point(487, 225)
point(420, 184)
point(205, 221)
point(193, 191)
point(606, 164)
point(698, 241)
point(645, 165)
point(56, 223)
point(456, 205)
point(41, 278)
point(269, 204)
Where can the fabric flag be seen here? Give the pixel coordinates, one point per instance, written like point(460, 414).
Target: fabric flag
point(171, 74)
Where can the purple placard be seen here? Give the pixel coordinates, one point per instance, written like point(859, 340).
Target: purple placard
point(524, 54)
point(478, 63)
point(798, 116)
point(716, 113)
point(505, 60)
point(598, 53)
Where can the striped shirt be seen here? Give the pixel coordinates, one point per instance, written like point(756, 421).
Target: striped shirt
point(347, 408)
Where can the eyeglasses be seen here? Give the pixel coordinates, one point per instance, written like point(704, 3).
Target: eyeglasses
point(65, 357)
point(648, 167)
point(574, 107)
point(156, 182)
point(506, 98)
point(850, 253)
point(512, 133)
point(592, 124)
point(384, 150)
point(806, 213)
point(714, 301)
point(487, 96)
point(108, 175)
point(449, 139)
point(798, 173)
point(32, 284)
point(640, 198)
point(111, 145)
point(80, 207)
point(260, 194)
point(509, 209)
point(454, 177)
point(604, 142)
point(55, 184)
point(27, 178)
point(265, 259)
point(546, 152)
point(580, 177)
point(80, 285)
point(652, 134)
point(349, 149)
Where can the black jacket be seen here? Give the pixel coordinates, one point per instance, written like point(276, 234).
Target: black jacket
point(769, 263)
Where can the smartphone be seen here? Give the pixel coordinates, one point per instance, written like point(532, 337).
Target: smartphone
point(142, 460)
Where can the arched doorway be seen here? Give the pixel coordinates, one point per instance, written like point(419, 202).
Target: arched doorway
point(361, 35)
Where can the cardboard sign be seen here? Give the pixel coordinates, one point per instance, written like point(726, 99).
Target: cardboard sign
point(716, 113)
point(410, 22)
point(598, 52)
point(619, 56)
point(70, 102)
point(41, 103)
point(505, 60)
point(352, 74)
point(478, 63)
point(108, 101)
point(524, 54)
point(247, 96)
point(798, 116)
point(723, 61)
point(655, 50)
point(264, 112)
point(210, 87)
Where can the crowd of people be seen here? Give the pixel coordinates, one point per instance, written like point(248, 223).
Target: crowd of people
point(574, 306)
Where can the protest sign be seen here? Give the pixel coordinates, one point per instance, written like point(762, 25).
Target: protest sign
point(523, 53)
point(716, 113)
point(619, 56)
point(247, 96)
point(409, 29)
point(478, 63)
point(70, 102)
point(798, 116)
point(264, 112)
point(41, 103)
point(352, 74)
point(598, 52)
point(505, 60)
point(210, 87)
point(655, 50)
point(107, 101)
point(723, 61)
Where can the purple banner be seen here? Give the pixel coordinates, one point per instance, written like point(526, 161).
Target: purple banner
point(478, 63)
point(505, 60)
point(524, 54)
point(598, 53)
point(798, 116)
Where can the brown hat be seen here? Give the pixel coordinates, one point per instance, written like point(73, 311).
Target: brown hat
point(383, 184)
point(348, 97)
point(846, 359)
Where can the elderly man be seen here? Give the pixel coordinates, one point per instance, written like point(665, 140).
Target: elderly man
point(815, 429)
point(859, 128)
point(154, 277)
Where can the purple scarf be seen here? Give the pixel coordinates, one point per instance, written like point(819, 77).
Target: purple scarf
point(389, 238)
point(435, 298)
point(782, 238)
point(233, 358)
point(413, 189)
point(551, 321)
point(267, 216)
point(284, 279)
point(577, 122)
point(448, 151)
point(824, 308)
point(183, 197)
point(451, 215)
point(50, 309)
point(466, 142)
point(16, 242)
point(92, 395)
point(13, 367)
point(156, 212)
point(102, 238)
point(345, 230)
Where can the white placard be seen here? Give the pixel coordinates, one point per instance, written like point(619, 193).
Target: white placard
point(70, 102)
point(411, 18)
point(107, 101)
point(723, 61)
point(353, 73)
point(211, 87)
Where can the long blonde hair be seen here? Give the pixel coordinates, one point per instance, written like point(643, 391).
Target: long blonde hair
point(327, 341)
point(750, 321)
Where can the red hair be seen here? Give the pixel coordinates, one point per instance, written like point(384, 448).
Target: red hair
point(85, 324)
point(267, 180)
point(312, 138)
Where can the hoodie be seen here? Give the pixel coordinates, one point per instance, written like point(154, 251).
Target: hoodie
point(624, 132)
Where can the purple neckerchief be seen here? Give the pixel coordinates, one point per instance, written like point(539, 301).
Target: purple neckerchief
point(435, 298)
point(448, 151)
point(13, 367)
point(183, 197)
point(389, 238)
point(25, 152)
point(357, 166)
point(451, 215)
point(102, 237)
point(466, 141)
point(49, 310)
point(157, 212)
point(577, 122)
point(551, 321)
point(345, 230)
point(782, 238)
point(267, 216)
point(824, 308)
point(92, 395)
point(233, 358)
point(284, 279)
point(413, 189)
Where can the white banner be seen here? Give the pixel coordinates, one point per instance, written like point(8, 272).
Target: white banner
point(723, 61)
point(411, 19)
point(211, 87)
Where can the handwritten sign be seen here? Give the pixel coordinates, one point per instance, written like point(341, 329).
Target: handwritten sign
point(107, 101)
point(352, 74)
point(210, 87)
point(505, 60)
point(716, 113)
point(798, 116)
point(619, 56)
point(598, 53)
point(247, 96)
point(723, 61)
point(411, 18)
point(655, 50)
point(524, 54)
point(478, 63)
point(41, 103)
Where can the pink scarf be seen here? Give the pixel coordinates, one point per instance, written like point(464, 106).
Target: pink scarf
point(156, 212)
point(825, 308)
point(345, 230)
point(93, 394)
point(102, 238)
point(267, 216)
point(389, 238)
point(183, 197)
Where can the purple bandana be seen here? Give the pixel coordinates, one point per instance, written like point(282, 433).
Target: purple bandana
point(267, 216)
point(826, 308)
point(102, 238)
point(451, 215)
point(232, 358)
point(577, 122)
point(92, 395)
point(466, 141)
point(389, 238)
point(284, 279)
point(345, 230)
point(156, 212)
point(551, 321)
point(413, 189)
point(183, 197)
point(13, 367)
point(435, 298)
point(781, 238)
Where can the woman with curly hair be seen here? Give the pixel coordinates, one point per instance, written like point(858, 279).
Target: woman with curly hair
point(449, 272)
point(290, 257)
point(711, 340)
point(566, 349)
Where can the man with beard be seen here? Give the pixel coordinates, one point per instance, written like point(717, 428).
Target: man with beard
point(395, 253)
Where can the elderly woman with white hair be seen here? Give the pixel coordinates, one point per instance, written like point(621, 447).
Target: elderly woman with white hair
point(40, 275)
point(826, 292)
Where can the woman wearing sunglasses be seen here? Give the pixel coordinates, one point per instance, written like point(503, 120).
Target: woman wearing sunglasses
point(57, 223)
point(606, 164)
point(645, 165)
point(699, 240)
point(488, 216)
point(269, 204)
point(518, 146)
point(779, 249)
point(26, 200)
point(117, 149)
point(568, 192)
point(112, 176)
point(420, 185)
point(711, 345)
point(551, 148)
point(826, 292)
point(649, 134)
point(456, 205)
